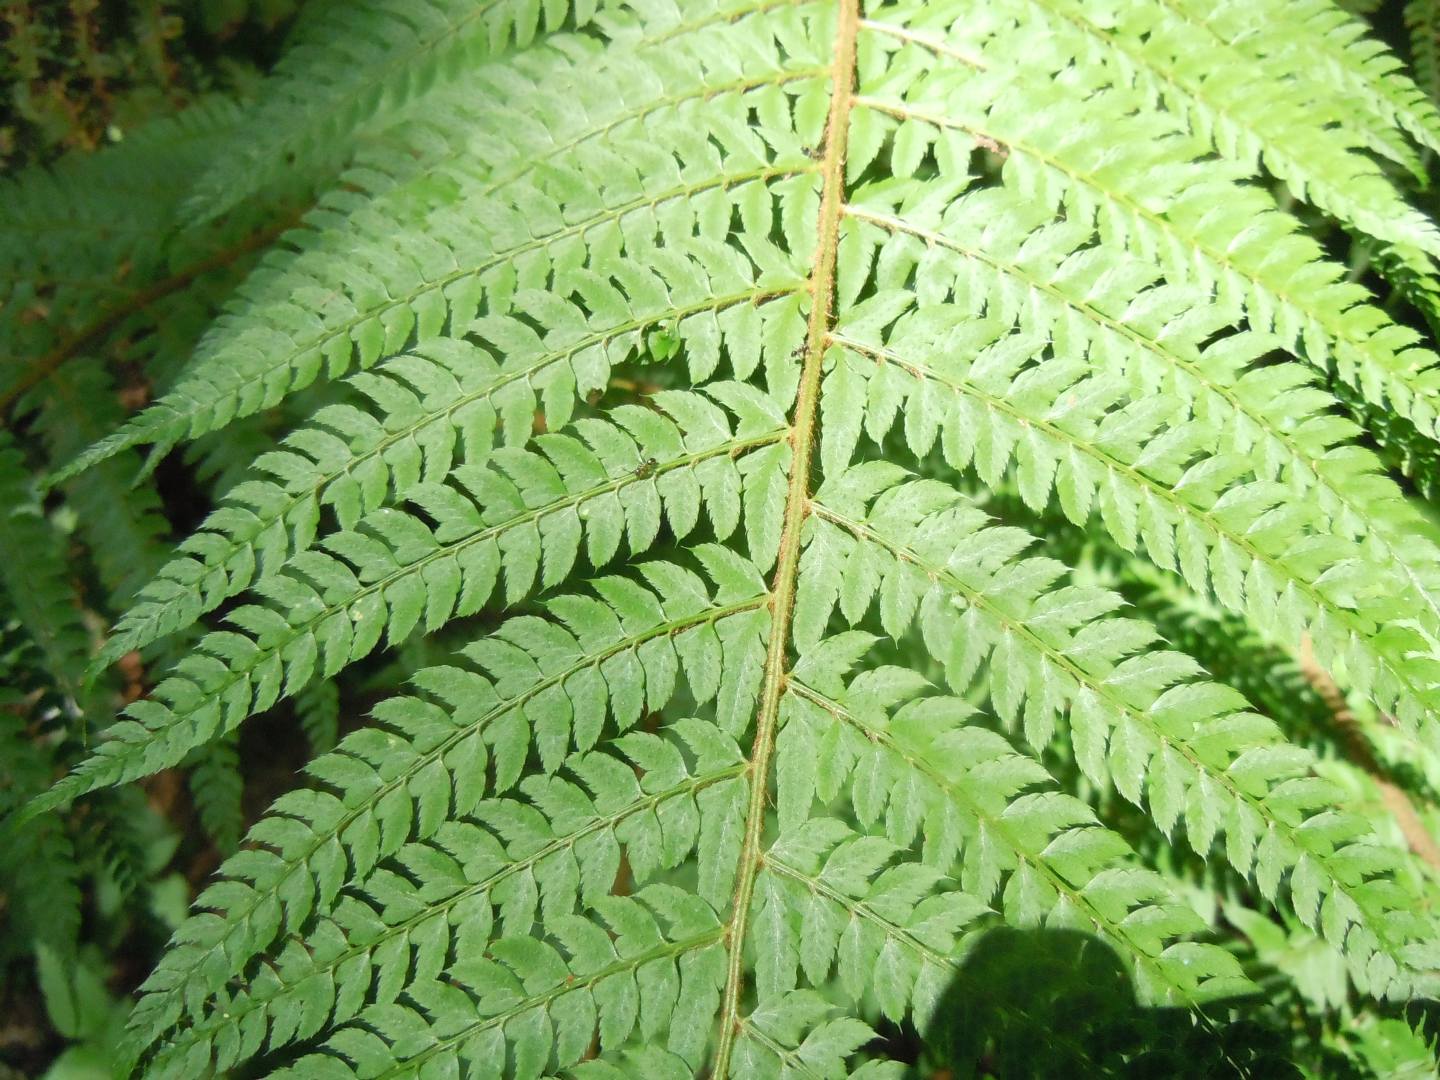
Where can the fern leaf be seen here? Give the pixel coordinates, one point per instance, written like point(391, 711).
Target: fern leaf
point(973, 794)
point(394, 572)
point(217, 786)
point(1214, 233)
point(1172, 507)
point(37, 866)
point(121, 199)
point(431, 413)
point(123, 524)
point(351, 65)
point(1422, 20)
point(1331, 51)
point(260, 353)
point(471, 735)
point(318, 707)
point(719, 306)
point(1190, 749)
point(1194, 76)
point(36, 577)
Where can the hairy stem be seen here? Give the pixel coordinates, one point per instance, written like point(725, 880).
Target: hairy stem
point(1357, 749)
point(797, 505)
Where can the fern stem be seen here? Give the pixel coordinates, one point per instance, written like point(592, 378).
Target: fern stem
point(1358, 750)
point(795, 1065)
point(797, 507)
point(925, 41)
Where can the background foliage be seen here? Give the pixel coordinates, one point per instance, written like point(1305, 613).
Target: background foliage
point(215, 205)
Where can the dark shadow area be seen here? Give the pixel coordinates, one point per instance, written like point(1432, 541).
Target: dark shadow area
point(1059, 1003)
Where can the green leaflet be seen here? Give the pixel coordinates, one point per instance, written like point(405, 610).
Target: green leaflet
point(432, 411)
point(1179, 62)
point(122, 522)
point(216, 785)
point(471, 736)
point(639, 354)
point(1190, 750)
point(394, 571)
point(396, 289)
point(34, 575)
point(39, 858)
point(1420, 20)
point(350, 70)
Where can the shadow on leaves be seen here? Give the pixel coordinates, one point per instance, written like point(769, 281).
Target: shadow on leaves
point(1059, 1003)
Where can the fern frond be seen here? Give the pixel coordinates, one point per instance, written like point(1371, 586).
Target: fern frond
point(1282, 683)
point(1182, 495)
point(123, 523)
point(36, 577)
point(1162, 51)
point(115, 840)
point(432, 410)
point(93, 230)
point(394, 571)
point(1422, 21)
point(1157, 195)
point(1318, 43)
point(1190, 749)
point(121, 200)
point(974, 799)
point(39, 878)
point(401, 285)
point(657, 823)
point(618, 652)
point(719, 305)
point(318, 707)
point(352, 66)
point(218, 786)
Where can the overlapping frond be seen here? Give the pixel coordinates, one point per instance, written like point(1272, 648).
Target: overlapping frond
point(121, 200)
point(395, 570)
point(1339, 62)
point(35, 577)
point(355, 66)
point(1228, 465)
point(1158, 193)
point(1193, 70)
point(1422, 20)
point(38, 872)
point(123, 522)
point(218, 786)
